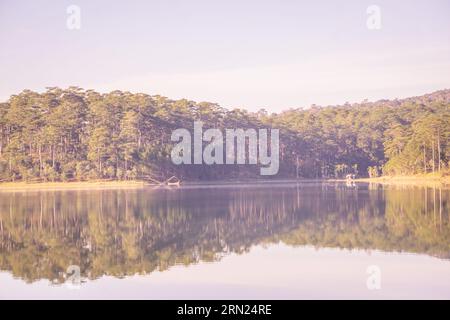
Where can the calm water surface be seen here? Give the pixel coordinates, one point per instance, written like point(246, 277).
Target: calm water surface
point(273, 241)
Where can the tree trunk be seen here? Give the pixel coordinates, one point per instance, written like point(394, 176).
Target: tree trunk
point(64, 147)
point(434, 161)
point(53, 157)
point(424, 159)
point(439, 151)
point(139, 139)
point(40, 160)
point(117, 166)
point(99, 161)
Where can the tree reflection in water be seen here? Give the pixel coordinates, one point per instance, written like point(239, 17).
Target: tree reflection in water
point(126, 232)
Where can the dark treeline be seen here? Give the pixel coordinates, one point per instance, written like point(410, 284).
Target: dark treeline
point(75, 134)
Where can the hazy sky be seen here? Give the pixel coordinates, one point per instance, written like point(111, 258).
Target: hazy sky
point(252, 54)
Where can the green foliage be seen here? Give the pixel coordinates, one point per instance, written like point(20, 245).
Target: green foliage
point(373, 172)
point(74, 134)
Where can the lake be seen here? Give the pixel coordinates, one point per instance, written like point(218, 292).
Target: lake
point(238, 241)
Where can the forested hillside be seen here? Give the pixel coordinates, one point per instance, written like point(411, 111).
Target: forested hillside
point(75, 134)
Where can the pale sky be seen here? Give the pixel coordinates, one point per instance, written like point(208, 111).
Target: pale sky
point(251, 54)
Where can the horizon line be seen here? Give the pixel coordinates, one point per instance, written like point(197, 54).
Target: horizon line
point(347, 103)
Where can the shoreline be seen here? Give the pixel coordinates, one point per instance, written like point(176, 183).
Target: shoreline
point(418, 180)
point(73, 185)
point(429, 179)
point(130, 184)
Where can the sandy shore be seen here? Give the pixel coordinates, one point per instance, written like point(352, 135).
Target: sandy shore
point(78, 185)
point(417, 180)
point(422, 180)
